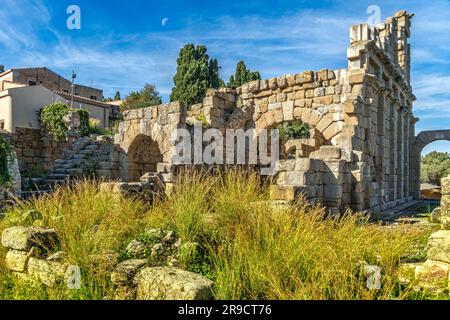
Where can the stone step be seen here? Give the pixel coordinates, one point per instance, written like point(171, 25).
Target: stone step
point(85, 152)
point(79, 157)
point(74, 171)
point(59, 171)
point(92, 147)
point(58, 176)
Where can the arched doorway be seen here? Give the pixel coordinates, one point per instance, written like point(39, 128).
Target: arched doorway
point(435, 165)
point(142, 156)
point(422, 140)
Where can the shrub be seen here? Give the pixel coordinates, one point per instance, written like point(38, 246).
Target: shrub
point(435, 166)
point(5, 153)
point(293, 130)
point(52, 117)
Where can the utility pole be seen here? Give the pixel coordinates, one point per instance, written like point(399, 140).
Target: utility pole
point(73, 88)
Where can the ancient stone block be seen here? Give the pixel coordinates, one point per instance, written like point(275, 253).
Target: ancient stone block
point(16, 260)
point(49, 273)
point(168, 283)
point(24, 238)
point(439, 246)
point(297, 113)
point(125, 271)
point(288, 110)
point(445, 185)
point(284, 193)
point(332, 191)
point(432, 275)
point(324, 123)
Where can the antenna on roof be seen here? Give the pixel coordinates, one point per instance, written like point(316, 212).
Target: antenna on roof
point(74, 76)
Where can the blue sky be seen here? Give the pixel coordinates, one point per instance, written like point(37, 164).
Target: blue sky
point(123, 44)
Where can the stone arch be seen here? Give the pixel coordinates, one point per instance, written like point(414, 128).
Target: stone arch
point(426, 137)
point(324, 123)
point(423, 139)
point(143, 144)
point(142, 156)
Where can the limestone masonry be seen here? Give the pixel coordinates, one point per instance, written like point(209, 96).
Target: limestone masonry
point(362, 152)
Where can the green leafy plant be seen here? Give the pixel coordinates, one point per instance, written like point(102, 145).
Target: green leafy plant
point(84, 121)
point(5, 153)
point(293, 130)
point(435, 166)
point(146, 97)
point(52, 117)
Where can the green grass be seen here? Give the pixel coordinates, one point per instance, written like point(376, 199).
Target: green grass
point(249, 248)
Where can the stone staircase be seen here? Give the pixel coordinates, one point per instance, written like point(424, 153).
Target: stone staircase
point(75, 162)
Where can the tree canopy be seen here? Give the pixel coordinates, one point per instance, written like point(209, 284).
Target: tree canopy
point(435, 166)
point(196, 73)
point(242, 76)
point(146, 97)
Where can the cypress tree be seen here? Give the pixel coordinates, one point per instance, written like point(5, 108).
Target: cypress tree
point(242, 76)
point(196, 73)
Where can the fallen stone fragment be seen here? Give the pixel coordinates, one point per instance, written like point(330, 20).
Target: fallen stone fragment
point(136, 248)
point(168, 283)
point(125, 271)
point(16, 260)
point(24, 238)
point(49, 273)
point(433, 276)
point(438, 248)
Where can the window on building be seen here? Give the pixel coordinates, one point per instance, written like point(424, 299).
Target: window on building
point(2, 124)
point(32, 83)
point(93, 97)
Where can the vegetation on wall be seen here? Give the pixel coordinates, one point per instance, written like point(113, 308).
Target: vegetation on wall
point(5, 153)
point(196, 73)
point(84, 121)
point(293, 130)
point(52, 117)
point(435, 166)
point(146, 97)
point(242, 76)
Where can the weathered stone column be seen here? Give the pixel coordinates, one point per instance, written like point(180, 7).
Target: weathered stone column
point(445, 202)
point(406, 145)
point(400, 155)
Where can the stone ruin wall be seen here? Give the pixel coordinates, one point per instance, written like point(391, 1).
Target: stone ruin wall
point(445, 203)
point(361, 120)
point(10, 191)
point(37, 151)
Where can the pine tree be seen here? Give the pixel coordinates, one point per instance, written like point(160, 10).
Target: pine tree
point(2, 68)
point(196, 73)
point(242, 76)
point(117, 96)
point(144, 98)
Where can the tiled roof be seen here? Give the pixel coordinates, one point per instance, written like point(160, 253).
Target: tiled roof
point(82, 99)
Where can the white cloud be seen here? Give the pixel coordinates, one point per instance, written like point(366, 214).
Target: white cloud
point(18, 22)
